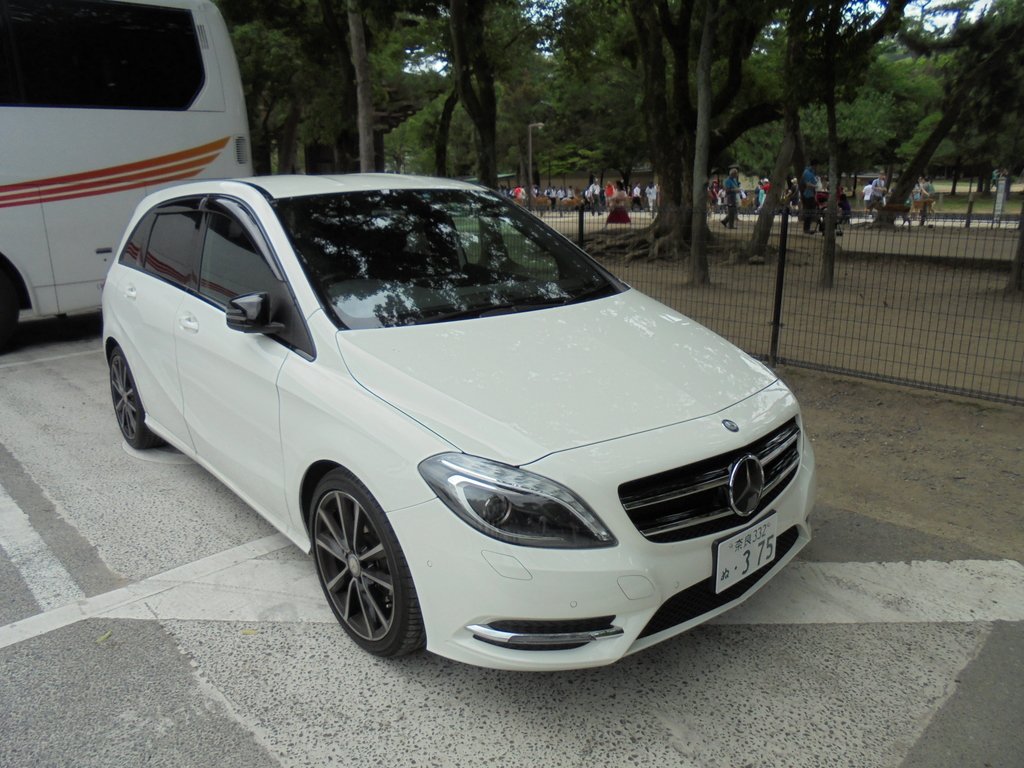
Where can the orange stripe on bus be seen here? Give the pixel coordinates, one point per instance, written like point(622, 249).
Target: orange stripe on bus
point(35, 195)
point(116, 170)
point(56, 197)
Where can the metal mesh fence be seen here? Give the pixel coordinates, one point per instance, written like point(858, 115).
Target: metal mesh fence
point(921, 304)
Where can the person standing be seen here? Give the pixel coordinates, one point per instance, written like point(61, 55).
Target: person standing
point(878, 192)
point(809, 183)
point(652, 197)
point(732, 197)
point(617, 203)
point(594, 197)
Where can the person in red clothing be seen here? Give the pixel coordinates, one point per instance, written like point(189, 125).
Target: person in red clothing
point(617, 204)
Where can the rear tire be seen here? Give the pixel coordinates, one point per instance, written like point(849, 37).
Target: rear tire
point(131, 416)
point(362, 568)
point(8, 310)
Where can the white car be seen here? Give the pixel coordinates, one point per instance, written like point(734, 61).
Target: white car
point(494, 448)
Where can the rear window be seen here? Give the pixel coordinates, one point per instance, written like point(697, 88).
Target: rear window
point(404, 257)
point(172, 250)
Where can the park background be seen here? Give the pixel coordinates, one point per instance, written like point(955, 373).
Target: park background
point(560, 92)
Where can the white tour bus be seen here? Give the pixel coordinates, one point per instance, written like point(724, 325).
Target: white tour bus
point(101, 102)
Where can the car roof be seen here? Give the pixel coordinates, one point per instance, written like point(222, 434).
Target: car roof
point(279, 187)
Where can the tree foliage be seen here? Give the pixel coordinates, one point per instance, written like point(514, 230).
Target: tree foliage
point(454, 85)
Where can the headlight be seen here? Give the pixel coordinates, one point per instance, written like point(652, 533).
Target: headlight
point(513, 505)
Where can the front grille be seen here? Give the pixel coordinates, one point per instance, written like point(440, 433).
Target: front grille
point(692, 501)
point(701, 598)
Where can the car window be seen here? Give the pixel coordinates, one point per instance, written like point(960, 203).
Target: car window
point(131, 255)
point(401, 257)
point(231, 264)
point(171, 252)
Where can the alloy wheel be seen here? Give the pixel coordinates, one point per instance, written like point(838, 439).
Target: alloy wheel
point(357, 575)
point(122, 388)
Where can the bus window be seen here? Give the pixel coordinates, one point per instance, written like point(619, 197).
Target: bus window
point(102, 54)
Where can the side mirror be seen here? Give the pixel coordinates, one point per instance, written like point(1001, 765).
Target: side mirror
point(250, 313)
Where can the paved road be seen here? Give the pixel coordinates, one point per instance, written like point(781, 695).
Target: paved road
point(149, 617)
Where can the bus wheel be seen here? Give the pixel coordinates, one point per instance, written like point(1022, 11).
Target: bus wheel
point(8, 309)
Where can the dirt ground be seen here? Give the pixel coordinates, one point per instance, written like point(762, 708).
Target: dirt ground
point(924, 307)
point(946, 466)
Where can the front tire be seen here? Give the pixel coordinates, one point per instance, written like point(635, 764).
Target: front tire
point(131, 416)
point(8, 309)
point(362, 569)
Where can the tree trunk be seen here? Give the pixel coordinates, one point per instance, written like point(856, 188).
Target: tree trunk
point(288, 146)
point(364, 88)
point(1016, 281)
point(444, 125)
point(474, 78)
point(700, 273)
point(780, 185)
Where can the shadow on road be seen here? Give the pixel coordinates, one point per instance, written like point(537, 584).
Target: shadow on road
point(56, 329)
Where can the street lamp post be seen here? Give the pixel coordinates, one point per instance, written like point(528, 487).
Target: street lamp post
point(529, 162)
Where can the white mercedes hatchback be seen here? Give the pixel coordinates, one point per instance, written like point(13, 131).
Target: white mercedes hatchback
point(492, 447)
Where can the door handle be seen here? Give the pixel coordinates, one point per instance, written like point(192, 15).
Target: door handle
point(188, 323)
point(130, 292)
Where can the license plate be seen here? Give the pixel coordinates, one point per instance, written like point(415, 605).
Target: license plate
point(744, 553)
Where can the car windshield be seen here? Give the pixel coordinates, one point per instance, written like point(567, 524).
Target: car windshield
point(387, 258)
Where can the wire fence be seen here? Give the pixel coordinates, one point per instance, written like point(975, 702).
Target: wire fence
point(917, 303)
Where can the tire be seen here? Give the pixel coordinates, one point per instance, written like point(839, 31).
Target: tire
point(362, 569)
point(8, 310)
point(128, 410)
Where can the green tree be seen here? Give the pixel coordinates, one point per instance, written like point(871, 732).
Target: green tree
point(982, 77)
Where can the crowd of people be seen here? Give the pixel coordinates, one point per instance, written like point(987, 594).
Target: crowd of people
point(617, 200)
point(806, 197)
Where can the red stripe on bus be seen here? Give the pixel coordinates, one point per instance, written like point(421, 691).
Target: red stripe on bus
point(35, 196)
point(116, 170)
point(107, 190)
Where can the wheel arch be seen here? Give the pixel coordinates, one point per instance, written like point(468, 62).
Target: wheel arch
point(314, 474)
point(8, 269)
point(109, 344)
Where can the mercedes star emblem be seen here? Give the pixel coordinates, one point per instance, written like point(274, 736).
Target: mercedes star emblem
point(746, 484)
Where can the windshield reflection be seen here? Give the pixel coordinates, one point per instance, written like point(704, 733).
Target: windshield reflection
point(403, 257)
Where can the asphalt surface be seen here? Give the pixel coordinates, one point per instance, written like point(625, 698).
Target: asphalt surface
point(148, 617)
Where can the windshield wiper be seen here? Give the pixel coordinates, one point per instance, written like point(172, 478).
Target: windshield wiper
point(487, 310)
point(512, 307)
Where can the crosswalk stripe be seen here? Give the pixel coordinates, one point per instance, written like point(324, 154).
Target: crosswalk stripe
point(48, 581)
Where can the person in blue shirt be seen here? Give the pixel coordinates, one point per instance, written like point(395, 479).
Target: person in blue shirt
point(732, 197)
point(809, 183)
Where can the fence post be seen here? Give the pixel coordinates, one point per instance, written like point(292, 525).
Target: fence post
point(780, 276)
point(580, 229)
point(970, 210)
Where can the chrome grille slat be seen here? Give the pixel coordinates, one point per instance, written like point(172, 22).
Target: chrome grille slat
point(781, 475)
point(691, 500)
point(722, 479)
point(688, 523)
point(767, 459)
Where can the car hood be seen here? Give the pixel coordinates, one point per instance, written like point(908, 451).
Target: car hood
point(517, 387)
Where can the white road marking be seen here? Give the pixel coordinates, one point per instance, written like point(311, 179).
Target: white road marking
point(48, 581)
point(234, 586)
point(876, 593)
point(110, 602)
point(96, 352)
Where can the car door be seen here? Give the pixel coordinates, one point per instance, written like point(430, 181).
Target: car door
point(229, 378)
point(159, 269)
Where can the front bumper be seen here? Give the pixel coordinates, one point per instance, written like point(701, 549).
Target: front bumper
point(508, 607)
